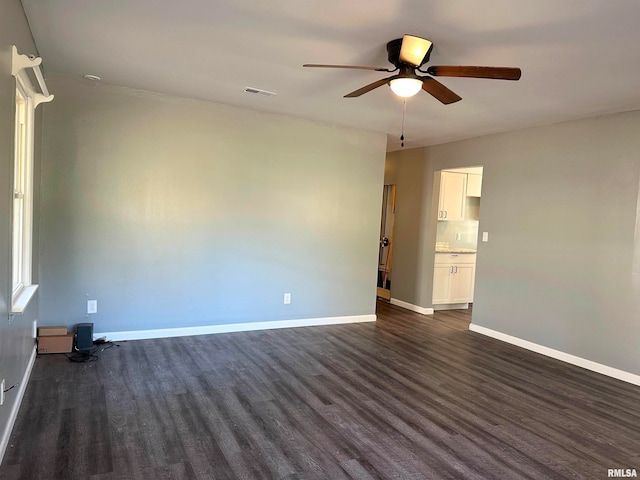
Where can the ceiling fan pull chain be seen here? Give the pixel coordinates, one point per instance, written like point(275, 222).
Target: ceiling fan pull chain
point(404, 111)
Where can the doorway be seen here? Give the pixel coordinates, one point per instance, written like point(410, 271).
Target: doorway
point(456, 238)
point(385, 255)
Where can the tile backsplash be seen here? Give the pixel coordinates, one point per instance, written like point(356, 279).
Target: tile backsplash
point(466, 230)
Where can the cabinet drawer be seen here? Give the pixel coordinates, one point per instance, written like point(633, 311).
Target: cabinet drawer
point(455, 258)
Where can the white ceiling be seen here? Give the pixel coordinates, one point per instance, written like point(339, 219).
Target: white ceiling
point(579, 58)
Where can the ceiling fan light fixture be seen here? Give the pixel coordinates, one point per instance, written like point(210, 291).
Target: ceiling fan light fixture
point(405, 87)
point(414, 49)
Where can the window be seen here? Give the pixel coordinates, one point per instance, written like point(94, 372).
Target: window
point(27, 99)
point(22, 193)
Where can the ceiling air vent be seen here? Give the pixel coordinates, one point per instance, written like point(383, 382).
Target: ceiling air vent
point(258, 91)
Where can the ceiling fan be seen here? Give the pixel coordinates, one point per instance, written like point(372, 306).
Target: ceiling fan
point(408, 54)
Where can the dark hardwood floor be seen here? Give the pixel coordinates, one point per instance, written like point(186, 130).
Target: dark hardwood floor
point(411, 397)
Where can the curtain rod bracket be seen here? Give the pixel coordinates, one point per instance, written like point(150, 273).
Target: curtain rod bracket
point(20, 63)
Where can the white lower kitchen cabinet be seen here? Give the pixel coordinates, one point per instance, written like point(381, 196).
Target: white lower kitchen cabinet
point(462, 284)
point(453, 278)
point(441, 284)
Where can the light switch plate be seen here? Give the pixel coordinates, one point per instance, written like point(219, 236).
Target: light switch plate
point(485, 236)
point(92, 306)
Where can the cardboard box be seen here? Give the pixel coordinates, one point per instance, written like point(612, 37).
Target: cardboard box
point(49, 331)
point(56, 343)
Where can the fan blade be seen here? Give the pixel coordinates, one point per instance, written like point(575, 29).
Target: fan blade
point(358, 67)
point(368, 88)
point(500, 73)
point(439, 91)
point(414, 50)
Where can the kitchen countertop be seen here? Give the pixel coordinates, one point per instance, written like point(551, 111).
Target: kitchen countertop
point(455, 250)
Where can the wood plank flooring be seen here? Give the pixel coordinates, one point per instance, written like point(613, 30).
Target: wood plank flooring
point(410, 397)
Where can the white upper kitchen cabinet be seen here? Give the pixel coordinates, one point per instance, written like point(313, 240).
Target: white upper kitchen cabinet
point(452, 195)
point(474, 185)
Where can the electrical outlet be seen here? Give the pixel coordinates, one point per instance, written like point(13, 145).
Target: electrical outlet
point(2, 388)
point(92, 306)
point(458, 236)
point(287, 298)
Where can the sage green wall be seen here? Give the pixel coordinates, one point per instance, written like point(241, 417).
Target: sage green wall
point(178, 213)
point(16, 338)
point(407, 169)
point(561, 266)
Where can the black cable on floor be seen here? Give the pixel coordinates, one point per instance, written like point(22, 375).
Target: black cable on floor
point(82, 357)
point(90, 356)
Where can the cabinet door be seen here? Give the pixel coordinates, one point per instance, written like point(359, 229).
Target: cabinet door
point(441, 284)
point(452, 195)
point(462, 283)
point(474, 185)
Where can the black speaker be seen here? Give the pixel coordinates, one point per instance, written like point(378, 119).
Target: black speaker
point(84, 337)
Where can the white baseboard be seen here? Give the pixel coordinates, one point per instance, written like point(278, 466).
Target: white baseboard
point(6, 435)
point(451, 306)
point(232, 327)
point(558, 355)
point(413, 308)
